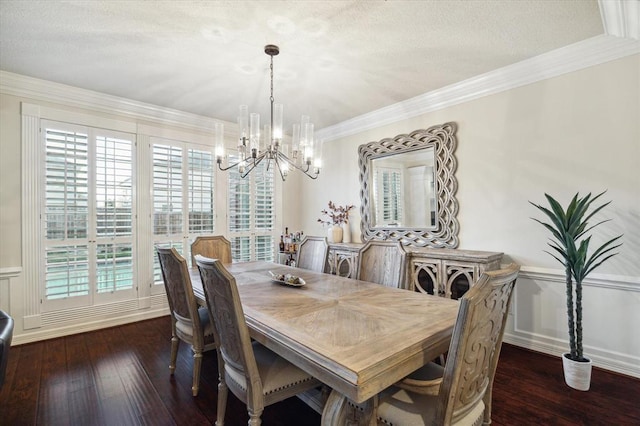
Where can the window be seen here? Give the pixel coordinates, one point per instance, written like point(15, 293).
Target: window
point(183, 197)
point(88, 226)
point(251, 210)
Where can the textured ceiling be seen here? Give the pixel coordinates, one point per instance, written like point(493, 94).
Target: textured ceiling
point(338, 59)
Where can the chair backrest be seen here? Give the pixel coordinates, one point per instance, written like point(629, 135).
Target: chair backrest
point(312, 254)
point(475, 345)
point(177, 284)
point(223, 302)
point(382, 262)
point(211, 246)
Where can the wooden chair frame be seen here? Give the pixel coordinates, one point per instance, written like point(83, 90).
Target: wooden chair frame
point(313, 253)
point(383, 262)
point(211, 246)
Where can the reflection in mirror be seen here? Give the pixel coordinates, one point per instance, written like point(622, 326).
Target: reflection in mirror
point(403, 190)
point(407, 188)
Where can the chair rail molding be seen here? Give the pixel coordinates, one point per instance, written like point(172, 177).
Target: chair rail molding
point(10, 272)
point(617, 282)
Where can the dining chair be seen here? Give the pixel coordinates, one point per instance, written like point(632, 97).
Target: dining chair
point(382, 262)
point(255, 374)
point(459, 393)
point(312, 254)
point(211, 246)
point(188, 322)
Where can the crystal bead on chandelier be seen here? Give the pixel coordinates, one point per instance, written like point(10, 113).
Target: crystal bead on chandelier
point(253, 149)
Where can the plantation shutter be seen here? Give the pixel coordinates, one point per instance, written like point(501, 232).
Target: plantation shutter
point(389, 202)
point(114, 219)
point(183, 197)
point(201, 191)
point(251, 214)
point(88, 211)
point(66, 213)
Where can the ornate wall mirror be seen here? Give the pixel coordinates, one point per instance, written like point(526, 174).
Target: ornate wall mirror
point(407, 188)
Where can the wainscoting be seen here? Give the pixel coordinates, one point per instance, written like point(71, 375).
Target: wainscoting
point(538, 319)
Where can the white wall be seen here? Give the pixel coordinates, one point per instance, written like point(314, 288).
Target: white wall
point(576, 132)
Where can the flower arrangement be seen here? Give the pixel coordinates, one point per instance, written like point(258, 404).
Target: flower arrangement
point(337, 215)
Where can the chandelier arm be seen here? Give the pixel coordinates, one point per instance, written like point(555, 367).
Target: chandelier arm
point(224, 169)
point(303, 170)
point(256, 161)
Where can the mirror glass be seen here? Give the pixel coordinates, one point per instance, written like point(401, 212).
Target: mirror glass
point(408, 186)
point(403, 192)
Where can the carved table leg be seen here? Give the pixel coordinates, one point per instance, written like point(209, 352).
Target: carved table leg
point(339, 411)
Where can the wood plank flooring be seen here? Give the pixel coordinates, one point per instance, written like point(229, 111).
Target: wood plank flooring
point(120, 376)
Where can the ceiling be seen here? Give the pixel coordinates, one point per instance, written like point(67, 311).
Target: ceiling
point(338, 59)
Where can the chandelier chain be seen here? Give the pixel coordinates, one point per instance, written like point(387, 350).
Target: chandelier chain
point(271, 98)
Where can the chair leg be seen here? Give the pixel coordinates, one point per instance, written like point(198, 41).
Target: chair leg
point(223, 391)
point(197, 364)
point(254, 418)
point(174, 354)
point(487, 405)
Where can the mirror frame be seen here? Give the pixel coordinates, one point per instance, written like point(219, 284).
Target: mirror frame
point(443, 141)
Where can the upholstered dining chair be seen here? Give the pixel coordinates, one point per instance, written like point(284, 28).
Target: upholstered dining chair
point(188, 322)
point(459, 393)
point(312, 254)
point(211, 246)
point(382, 262)
point(256, 375)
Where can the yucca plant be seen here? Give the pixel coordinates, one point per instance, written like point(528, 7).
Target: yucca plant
point(570, 246)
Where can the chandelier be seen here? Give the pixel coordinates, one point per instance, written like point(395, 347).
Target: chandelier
point(254, 147)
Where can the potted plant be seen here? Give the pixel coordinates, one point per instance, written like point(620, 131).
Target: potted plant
point(570, 244)
point(337, 216)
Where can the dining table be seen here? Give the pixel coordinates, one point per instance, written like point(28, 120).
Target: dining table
point(356, 337)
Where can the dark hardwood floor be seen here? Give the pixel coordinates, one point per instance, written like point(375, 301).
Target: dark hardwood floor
point(120, 376)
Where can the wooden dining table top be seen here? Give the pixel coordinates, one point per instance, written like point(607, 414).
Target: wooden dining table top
point(357, 337)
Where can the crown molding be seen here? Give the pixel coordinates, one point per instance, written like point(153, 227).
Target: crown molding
point(621, 18)
point(48, 91)
point(584, 54)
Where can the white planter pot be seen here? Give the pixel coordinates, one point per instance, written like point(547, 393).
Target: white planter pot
point(334, 234)
point(577, 374)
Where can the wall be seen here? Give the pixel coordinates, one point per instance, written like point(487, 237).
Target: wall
point(576, 132)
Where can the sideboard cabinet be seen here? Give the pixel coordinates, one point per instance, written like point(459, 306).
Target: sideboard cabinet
point(440, 271)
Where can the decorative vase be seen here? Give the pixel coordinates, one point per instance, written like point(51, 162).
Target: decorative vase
point(577, 374)
point(334, 234)
point(346, 233)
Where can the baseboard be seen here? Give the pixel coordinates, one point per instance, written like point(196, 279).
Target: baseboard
point(54, 332)
point(607, 360)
